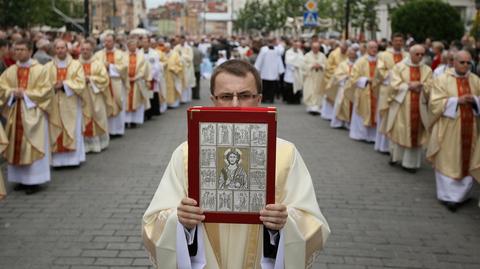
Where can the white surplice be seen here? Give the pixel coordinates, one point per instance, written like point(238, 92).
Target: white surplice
point(327, 109)
point(452, 190)
point(382, 143)
point(72, 158)
point(269, 64)
point(136, 116)
point(36, 173)
point(167, 240)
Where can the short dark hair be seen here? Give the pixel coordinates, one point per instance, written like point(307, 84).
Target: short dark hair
point(395, 35)
point(239, 68)
point(90, 42)
point(25, 42)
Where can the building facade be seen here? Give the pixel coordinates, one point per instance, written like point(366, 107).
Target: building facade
point(119, 15)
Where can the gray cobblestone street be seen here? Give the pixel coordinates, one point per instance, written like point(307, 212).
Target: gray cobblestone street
point(380, 216)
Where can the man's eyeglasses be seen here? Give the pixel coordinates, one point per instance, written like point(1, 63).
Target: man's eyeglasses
point(465, 62)
point(242, 97)
point(420, 54)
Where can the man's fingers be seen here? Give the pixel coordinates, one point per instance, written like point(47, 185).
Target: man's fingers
point(274, 216)
point(276, 207)
point(190, 209)
point(273, 226)
point(190, 216)
point(275, 220)
point(188, 201)
point(188, 223)
point(274, 213)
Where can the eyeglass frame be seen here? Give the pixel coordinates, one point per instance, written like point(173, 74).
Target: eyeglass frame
point(233, 95)
point(465, 62)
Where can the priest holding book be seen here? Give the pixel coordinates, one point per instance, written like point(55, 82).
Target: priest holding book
point(293, 229)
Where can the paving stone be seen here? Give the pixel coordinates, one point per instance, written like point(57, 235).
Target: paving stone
point(381, 217)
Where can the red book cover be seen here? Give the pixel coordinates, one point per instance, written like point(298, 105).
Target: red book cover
point(231, 161)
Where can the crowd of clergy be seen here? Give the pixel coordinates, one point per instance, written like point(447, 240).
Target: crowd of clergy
point(410, 100)
point(58, 106)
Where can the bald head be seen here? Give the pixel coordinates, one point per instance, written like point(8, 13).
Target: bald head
point(132, 45)
point(463, 55)
point(462, 62)
point(61, 49)
point(352, 54)
point(372, 48)
point(416, 53)
point(109, 41)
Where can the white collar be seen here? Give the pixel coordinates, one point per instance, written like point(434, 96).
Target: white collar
point(62, 63)
point(408, 61)
point(455, 74)
point(26, 64)
point(371, 58)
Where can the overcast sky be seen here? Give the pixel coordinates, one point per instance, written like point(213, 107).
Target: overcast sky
point(154, 3)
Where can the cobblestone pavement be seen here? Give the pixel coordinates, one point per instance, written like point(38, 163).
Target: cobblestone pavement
point(381, 216)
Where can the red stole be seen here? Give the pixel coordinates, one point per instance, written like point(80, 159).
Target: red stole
point(466, 116)
point(351, 103)
point(22, 81)
point(132, 70)
point(61, 76)
point(414, 107)
point(87, 69)
point(373, 99)
point(110, 60)
point(397, 57)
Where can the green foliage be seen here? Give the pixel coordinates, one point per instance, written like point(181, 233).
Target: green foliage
point(252, 17)
point(27, 13)
point(475, 31)
point(428, 18)
point(259, 15)
point(364, 15)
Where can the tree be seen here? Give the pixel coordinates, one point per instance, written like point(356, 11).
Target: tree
point(259, 15)
point(428, 18)
point(251, 17)
point(475, 31)
point(27, 13)
point(363, 15)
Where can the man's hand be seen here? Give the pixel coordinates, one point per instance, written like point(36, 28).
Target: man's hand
point(18, 93)
point(189, 214)
point(274, 216)
point(131, 79)
point(466, 99)
point(58, 86)
point(415, 86)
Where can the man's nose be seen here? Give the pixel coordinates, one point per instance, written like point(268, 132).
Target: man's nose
point(235, 102)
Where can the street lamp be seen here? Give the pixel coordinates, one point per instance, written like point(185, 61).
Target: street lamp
point(204, 17)
point(86, 10)
point(347, 17)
